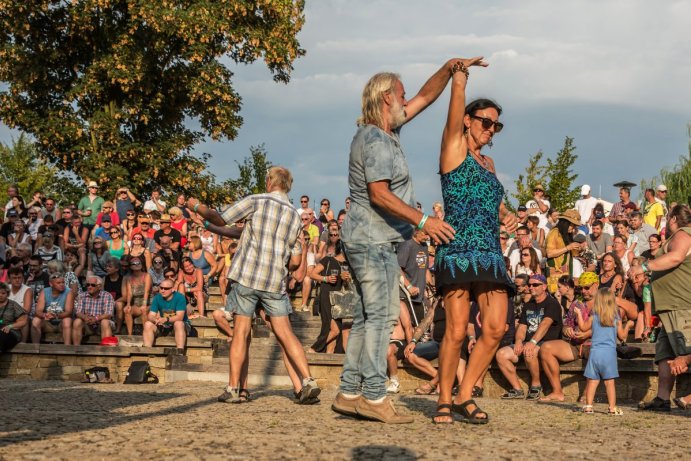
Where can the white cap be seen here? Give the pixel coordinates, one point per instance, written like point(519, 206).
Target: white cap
point(585, 190)
point(662, 188)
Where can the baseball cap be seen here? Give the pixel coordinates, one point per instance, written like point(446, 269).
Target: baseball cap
point(522, 208)
point(12, 213)
point(579, 238)
point(662, 188)
point(585, 189)
point(105, 218)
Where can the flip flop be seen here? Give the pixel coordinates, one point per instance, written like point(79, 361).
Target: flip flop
point(681, 403)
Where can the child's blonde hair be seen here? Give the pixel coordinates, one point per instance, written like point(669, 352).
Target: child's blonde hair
point(605, 307)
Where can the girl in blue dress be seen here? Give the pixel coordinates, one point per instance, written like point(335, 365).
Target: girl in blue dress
point(602, 362)
point(471, 267)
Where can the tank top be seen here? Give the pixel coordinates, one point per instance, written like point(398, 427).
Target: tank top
point(116, 253)
point(671, 288)
point(201, 262)
point(18, 297)
point(207, 243)
point(55, 304)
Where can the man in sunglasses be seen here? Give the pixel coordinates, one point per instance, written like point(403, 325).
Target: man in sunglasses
point(168, 314)
point(539, 205)
point(53, 310)
point(94, 311)
point(540, 321)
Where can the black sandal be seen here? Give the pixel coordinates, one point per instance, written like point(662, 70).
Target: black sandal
point(470, 417)
point(245, 395)
point(443, 414)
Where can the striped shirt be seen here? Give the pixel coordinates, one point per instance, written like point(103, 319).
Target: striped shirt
point(269, 239)
point(102, 304)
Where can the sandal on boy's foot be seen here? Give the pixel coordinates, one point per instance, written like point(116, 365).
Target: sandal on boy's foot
point(309, 401)
point(468, 416)
point(443, 414)
point(616, 411)
point(681, 403)
point(230, 395)
point(534, 393)
point(426, 389)
point(245, 395)
point(588, 410)
point(513, 394)
point(657, 404)
point(477, 392)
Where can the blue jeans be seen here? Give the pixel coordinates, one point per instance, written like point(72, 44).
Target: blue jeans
point(376, 272)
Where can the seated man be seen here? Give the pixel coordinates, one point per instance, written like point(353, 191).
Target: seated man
point(168, 314)
point(575, 344)
point(54, 310)
point(94, 311)
point(540, 321)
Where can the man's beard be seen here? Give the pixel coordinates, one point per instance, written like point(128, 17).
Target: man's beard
point(398, 115)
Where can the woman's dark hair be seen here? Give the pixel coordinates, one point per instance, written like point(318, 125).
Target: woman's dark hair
point(563, 228)
point(339, 247)
point(682, 213)
point(566, 280)
point(534, 261)
point(480, 104)
point(618, 267)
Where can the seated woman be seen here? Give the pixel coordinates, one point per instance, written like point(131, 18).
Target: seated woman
point(98, 257)
point(529, 263)
point(20, 235)
point(137, 292)
point(179, 223)
point(116, 245)
point(631, 240)
point(330, 272)
point(129, 224)
point(624, 254)
point(137, 248)
point(201, 258)
point(191, 284)
point(76, 235)
point(537, 234)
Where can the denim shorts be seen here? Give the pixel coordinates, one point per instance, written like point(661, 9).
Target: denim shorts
point(428, 350)
point(244, 301)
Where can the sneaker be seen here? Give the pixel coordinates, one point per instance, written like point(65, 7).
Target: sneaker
point(310, 390)
point(384, 412)
point(312, 401)
point(657, 404)
point(394, 387)
point(534, 392)
point(513, 394)
point(230, 395)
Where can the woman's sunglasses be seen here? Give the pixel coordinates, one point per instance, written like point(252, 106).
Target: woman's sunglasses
point(487, 123)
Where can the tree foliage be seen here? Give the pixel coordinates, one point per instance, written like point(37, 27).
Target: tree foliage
point(556, 176)
point(111, 88)
point(677, 178)
point(253, 172)
point(23, 166)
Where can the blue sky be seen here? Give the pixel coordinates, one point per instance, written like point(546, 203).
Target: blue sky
point(614, 75)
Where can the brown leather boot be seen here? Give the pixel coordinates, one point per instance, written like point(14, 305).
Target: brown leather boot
point(384, 412)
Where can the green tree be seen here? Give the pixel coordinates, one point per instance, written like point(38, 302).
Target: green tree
point(677, 178)
point(562, 193)
point(23, 165)
point(111, 88)
point(534, 174)
point(252, 178)
point(556, 176)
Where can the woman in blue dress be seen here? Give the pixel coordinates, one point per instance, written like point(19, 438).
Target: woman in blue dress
point(470, 267)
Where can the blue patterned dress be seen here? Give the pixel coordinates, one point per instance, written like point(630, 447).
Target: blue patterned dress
point(472, 195)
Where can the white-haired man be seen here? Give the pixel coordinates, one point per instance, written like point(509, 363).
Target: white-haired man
point(94, 311)
point(382, 214)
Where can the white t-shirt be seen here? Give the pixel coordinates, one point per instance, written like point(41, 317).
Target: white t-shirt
point(542, 216)
point(585, 208)
point(149, 205)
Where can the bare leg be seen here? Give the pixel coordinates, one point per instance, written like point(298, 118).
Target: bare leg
point(221, 322)
point(551, 353)
point(640, 326)
point(291, 345)
point(611, 393)
point(129, 320)
point(36, 330)
point(392, 361)
point(77, 331)
point(238, 348)
point(533, 364)
point(119, 316)
point(333, 336)
point(590, 388)
point(507, 360)
point(180, 334)
point(66, 327)
point(149, 333)
point(665, 380)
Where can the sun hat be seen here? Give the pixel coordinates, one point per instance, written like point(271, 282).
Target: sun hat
point(573, 216)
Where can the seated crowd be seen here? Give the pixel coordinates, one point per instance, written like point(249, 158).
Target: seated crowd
point(93, 267)
point(96, 267)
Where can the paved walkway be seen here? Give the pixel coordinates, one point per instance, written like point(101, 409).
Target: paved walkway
point(58, 420)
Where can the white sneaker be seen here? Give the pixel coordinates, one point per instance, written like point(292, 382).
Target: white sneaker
point(394, 387)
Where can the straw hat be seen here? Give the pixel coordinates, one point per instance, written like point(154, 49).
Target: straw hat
point(573, 216)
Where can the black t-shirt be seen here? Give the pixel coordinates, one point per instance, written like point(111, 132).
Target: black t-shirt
point(533, 314)
point(174, 234)
point(113, 287)
point(38, 284)
point(169, 256)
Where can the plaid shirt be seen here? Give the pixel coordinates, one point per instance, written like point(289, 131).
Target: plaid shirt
point(269, 239)
point(102, 304)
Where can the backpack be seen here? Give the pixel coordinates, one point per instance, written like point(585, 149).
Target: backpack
point(140, 373)
point(97, 375)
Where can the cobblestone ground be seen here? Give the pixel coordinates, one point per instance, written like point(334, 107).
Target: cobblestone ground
point(59, 420)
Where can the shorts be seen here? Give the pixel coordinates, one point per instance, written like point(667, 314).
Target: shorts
point(244, 301)
point(95, 329)
point(168, 329)
point(428, 350)
point(400, 345)
point(674, 338)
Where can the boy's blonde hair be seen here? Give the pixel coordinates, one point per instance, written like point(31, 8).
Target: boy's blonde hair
point(605, 307)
